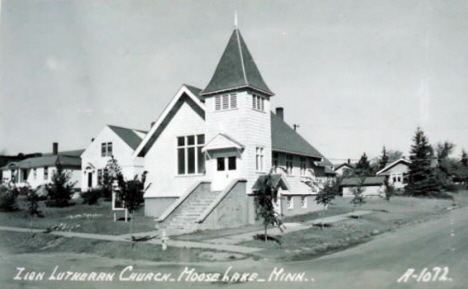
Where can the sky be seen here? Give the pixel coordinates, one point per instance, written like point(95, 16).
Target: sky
point(354, 75)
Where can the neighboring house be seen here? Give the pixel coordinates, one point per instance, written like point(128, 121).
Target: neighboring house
point(39, 169)
point(372, 186)
point(115, 141)
point(344, 169)
point(396, 173)
point(209, 147)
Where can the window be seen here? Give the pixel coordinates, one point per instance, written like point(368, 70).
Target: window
point(190, 158)
point(259, 155)
point(46, 173)
point(99, 177)
point(289, 164)
point(275, 161)
point(227, 101)
point(35, 173)
point(258, 102)
point(106, 149)
point(304, 202)
point(228, 163)
point(303, 166)
point(232, 163)
point(290, 202)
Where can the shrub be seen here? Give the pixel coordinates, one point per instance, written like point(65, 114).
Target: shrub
point(60, 190)
point(91, 197)
point(8, 195)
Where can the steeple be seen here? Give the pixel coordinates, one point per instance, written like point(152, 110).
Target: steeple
point(236, 69)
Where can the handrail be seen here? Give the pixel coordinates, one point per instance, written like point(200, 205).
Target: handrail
point(218, 200)
point(179, 201)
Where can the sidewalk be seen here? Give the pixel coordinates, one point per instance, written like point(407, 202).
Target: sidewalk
point(226, 243)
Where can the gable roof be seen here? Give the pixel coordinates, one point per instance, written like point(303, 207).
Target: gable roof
point(403, 161)
point(129, 136)
point(168, 113)
point(287, 140)
point(368, 181)
point(236, 69)
point(351, 166)
point(222, 141)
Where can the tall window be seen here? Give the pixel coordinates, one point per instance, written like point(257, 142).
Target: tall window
point(290, 202)
point(190, 158)
point(99, 177)
point(259, 156)
point(46, 173)
point(304, 202)
point(226, 101)
point(303, 166)
point(289, 164)
point(35, 173)
point(258, 102)
point(275, 161)
point(106, 149)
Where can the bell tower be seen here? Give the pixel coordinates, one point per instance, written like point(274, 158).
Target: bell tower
point(238, 124)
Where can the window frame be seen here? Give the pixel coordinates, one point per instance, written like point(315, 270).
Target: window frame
point(198, 156)
point(259, 159)
point(225, 102)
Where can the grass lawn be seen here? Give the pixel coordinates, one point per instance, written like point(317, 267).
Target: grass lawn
point(386, 216)
point(97, 219)
point(18, 243)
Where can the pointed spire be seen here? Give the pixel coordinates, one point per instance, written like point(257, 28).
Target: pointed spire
point(236, 69)
point(235, 19)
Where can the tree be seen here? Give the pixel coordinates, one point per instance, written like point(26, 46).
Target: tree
point(444, 150)
point(421, 175)
point(358, 193)
point(60, 190)
point(326, 195)
point(383, 161)
point(265, 196)
point(8, 195)
point(109, 175)
point(464, 158)
point(389, 190)
point(32, 204)
point(363, 167)
point(130, 192)
point(394, 155)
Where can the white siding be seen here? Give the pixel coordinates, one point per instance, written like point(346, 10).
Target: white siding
point(121, 151)
point(161, 159)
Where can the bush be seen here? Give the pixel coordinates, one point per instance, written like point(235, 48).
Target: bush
point(91, 197)
point(60, 190)
point(8, 195)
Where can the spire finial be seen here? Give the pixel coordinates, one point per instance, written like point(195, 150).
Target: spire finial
point(235, 19)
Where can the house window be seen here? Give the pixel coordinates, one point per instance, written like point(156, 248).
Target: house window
point(226, 101)
point(259, 156)
point(304, 202)
point(190, 158)
point(290, 202)
point(275, 161)
point(258, 102)
point(289, 164)
point(303, 166)
point(35, 173)
point(221, 164)
point(99, 177)
point(46, 173)
point(106, 149)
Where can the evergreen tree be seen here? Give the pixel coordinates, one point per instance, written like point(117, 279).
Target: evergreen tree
point(464, 158)
point(383, 159)
point(363, 167)
point(111, 172)
point(421, 177)
point(60, 189)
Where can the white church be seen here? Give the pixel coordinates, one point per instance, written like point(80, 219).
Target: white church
point(208, 148)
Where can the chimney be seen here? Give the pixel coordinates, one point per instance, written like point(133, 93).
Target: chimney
point(349, 161)
point(152, 123)
point(92, 139)
point(55, 148)
point(280, 112)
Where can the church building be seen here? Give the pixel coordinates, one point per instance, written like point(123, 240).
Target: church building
point(209, 147)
